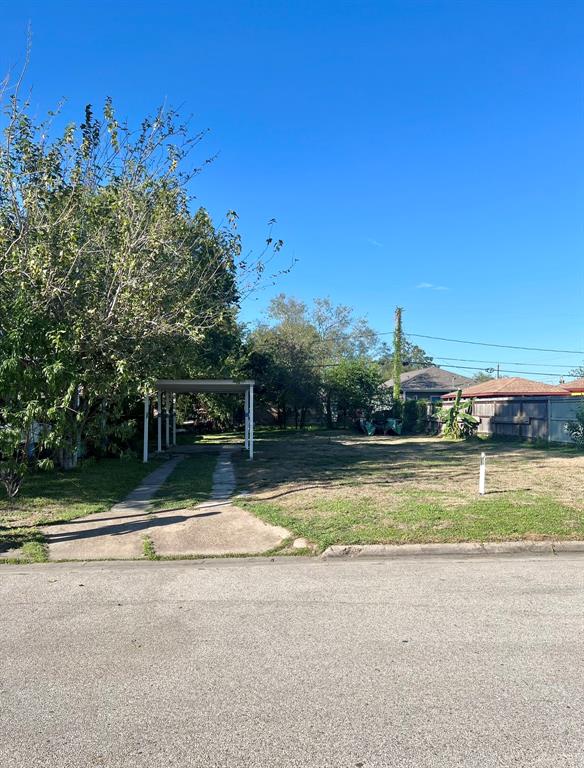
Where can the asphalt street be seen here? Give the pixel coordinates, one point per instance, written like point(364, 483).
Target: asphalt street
point(422, 661)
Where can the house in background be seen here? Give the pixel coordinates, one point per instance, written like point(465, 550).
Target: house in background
point(575, 387)
point(521, 408)
point(429, 383)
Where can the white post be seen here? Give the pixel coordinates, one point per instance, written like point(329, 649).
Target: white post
point(167, 419)
point(174, 418)
point(246, 420)
point(482, 473)
point(146, 414)
point(159, 420)
point(251, 421)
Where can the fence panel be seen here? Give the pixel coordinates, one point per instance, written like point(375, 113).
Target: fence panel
point(562, 410)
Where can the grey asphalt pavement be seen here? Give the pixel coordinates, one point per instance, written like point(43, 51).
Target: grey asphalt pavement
point(423, 661)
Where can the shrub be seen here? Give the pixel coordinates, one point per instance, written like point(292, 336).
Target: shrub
point(575, 428)
point(422, 419)
point(457, 419)
point(409, 416)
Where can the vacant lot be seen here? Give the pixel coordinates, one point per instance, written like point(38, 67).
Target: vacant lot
point(340, 488)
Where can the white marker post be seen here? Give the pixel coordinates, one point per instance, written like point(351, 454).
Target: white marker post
point(482, 474)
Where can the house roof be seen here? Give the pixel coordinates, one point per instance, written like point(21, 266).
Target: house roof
point(432, 379)
point(513, 386)
point(575, 386)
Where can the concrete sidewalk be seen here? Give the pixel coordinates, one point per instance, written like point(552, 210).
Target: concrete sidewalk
point(215, 527)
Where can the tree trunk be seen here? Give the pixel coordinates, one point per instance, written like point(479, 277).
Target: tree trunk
point(67, 457)
point(282, 416)
point(329, 411)
point(302, 417)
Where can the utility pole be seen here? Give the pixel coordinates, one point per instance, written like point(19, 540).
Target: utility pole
point(397, 354)
point(498, 375)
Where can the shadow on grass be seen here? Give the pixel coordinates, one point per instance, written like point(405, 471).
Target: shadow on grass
point(317, 461)
point(95, 487)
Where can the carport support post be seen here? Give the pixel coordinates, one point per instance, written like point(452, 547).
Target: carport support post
point(159, 420)
point(146, 414)
point(167, 420)
point(246, 419)
point(174, 418)
point(251, 421)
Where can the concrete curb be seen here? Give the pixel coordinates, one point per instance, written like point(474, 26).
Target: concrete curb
point(462, 548)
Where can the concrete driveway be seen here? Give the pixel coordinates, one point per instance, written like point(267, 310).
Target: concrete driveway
point(417, 662)
point(214, 527)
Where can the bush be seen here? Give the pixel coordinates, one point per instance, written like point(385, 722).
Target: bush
point(409, 416)
point(576, 428)
point(414, 415)
point(422, 420)
point(457, 419)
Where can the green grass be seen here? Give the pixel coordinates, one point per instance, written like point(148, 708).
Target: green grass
point(149, 550)
point(346, 489)
point(51, 497)
point(415, 521)
point(28, 541)
point(189, 484)
point(59, 496)
point(56, 496)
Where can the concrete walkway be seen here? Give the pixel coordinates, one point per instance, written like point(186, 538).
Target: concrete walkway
point(117, 534)
point(215, 527)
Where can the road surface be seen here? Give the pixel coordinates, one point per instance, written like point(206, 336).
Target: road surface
point(410, 662)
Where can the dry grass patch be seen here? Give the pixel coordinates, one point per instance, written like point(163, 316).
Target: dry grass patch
point(340, 488)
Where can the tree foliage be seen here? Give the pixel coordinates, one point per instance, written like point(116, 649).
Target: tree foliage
point(413, 357)
point(575, 428)
point(107, 280)
point(353, 385)
point(317, 357)
point(457, 419)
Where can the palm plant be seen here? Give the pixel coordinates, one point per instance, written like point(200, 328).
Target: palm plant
point(457, 420)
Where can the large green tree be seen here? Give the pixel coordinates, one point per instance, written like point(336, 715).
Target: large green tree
point(107, 279)
point(353, 386)
point(295, 351)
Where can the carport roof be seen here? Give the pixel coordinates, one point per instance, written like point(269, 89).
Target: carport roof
point(220, 386)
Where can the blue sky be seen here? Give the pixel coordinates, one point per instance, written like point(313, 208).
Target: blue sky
point(427, 154)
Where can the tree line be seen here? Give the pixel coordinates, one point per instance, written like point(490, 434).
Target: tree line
point(108, 280)
point(321, 361)
point(111, 277)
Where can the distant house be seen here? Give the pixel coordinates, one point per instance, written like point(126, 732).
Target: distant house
point(429, 383)
point(521, 408)
point(510, 387)
point(575, 387)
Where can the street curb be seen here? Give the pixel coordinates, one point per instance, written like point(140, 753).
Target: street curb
point(462, 548)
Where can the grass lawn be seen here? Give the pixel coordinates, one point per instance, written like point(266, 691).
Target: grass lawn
point(341, 488)
point(56, 496)
point(50, 497)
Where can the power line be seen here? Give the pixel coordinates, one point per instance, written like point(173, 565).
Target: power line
point(496, 362)
point(506, 370)
point(501, 346)
point(468, 368)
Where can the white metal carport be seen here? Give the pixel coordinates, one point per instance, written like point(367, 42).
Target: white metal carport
point(167, 390)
